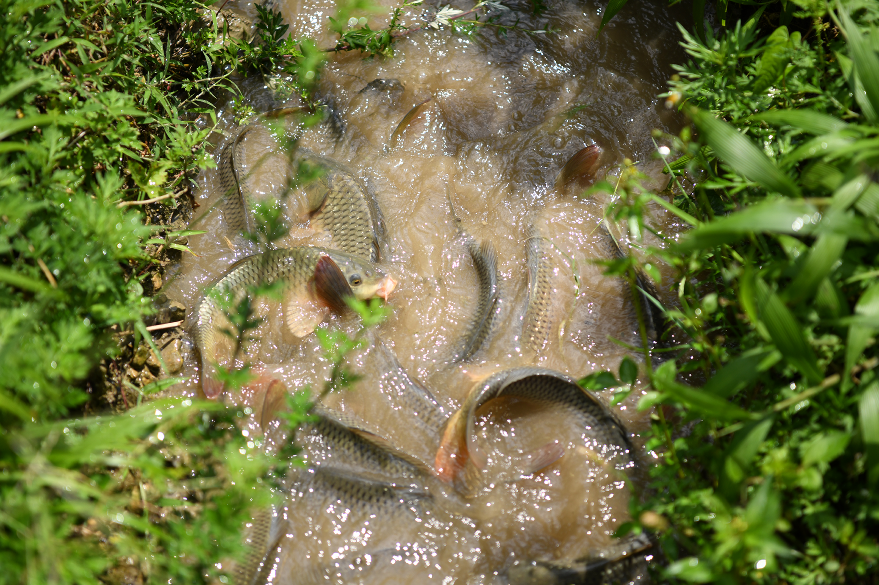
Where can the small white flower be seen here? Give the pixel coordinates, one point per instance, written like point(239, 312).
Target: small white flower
point(443, 16)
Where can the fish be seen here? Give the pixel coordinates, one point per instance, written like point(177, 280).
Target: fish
point(481, 325)
point(314, 281)
point(329, 440)
point(236, 199)
point(423, 412)
point(341, 204)
point(540, 315)
point(330, 495)
point(624, 561)
point(347, 469)
point(581, 169)
point(460, 459)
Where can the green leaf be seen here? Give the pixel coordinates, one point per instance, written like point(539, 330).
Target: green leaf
point(628, 371)
point(740, 454)
point(19, 86)
point(598, 381)
point(613, 6)
point(860, 332)
point(741, 371)
point(23, 282)
point(697, 399)
point(742, 155)
point(866, 62)
point(807, 120)
point(773, 61)
point(11, 404)
point(868, 409)
point(821, 258)
point(29, 122)
point(786, 333)
point(781, 216)
point(824, 448)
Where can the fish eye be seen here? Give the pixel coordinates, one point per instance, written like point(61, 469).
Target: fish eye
point(355, 280)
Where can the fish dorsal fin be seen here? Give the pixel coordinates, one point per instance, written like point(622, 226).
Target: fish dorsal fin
point(329, 285)
point(303, 314)
point(580, 168)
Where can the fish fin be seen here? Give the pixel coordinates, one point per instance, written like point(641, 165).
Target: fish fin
point(540, 458)
point(452, 454)
point(582, 168)
point(330, 286)
point(316, 193)
point(274, 402)
point(303, 314)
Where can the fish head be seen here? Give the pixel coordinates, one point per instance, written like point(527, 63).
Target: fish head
point(364, 279)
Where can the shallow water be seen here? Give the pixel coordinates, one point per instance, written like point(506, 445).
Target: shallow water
point(504, 116)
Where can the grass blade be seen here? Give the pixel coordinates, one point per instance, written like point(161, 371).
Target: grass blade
point(613, 7)
point(782, 216)
point(868, 408)
point(742, 155)
point(807, 120)
point(866, 63)
point(787, 334)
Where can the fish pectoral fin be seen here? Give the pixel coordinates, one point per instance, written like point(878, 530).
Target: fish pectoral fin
point(329, 285)
point(303, 314)
point(452, 454)
point(540, 458)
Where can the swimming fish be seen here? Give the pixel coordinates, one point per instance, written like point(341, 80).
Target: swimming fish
point(236, 199)
point(315, 281)
point(421, 410)
point(416, 110)
point(539, 311)
point(654, 316)
point(460, 459)
point(347, 470)
point(481, 326)
point(330, 441)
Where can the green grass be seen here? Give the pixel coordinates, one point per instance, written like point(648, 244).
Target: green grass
point(766, 421)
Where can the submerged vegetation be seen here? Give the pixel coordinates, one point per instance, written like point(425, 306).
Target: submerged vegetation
point(767, 413)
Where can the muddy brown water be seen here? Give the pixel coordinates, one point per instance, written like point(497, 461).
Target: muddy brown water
point(505, 114)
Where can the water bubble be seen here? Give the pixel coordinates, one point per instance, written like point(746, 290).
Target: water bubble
point(760, 564)
point(797, 225)
point(664, 150)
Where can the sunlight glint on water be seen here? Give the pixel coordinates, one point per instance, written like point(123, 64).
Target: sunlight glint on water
point(504, 117)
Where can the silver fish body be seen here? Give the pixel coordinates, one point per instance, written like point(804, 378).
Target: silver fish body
point(342, 205)
point(539, 319)
point(624, 561)
point(337, 200)
point(481, 326)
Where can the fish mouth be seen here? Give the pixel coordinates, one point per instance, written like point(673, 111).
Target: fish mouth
point(386, 287)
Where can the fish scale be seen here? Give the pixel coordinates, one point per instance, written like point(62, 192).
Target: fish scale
point(342, 208)
point(538, 321)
